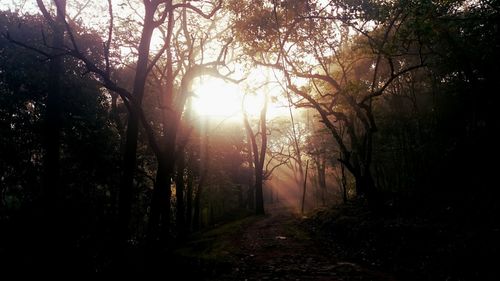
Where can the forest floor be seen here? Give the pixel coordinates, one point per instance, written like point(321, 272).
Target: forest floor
point(348, 242)
point(271, 247)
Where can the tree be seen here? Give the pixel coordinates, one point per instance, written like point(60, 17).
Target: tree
point(287, 147)
point(317, 148)
point(52, 193)
point(295, 140)
point(347, 62)
point(258, 155)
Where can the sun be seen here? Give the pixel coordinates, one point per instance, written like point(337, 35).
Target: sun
point(217, 98)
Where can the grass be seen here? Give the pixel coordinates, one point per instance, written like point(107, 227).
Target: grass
point(292, 230)
point(215, 245)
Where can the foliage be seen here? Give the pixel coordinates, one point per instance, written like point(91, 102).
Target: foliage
point(89, 154)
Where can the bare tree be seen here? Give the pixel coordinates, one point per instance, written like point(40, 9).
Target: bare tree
point(259, 155)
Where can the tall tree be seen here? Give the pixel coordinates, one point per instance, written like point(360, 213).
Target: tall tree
point(52, 142)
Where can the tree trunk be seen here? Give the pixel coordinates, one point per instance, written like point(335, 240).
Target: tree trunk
point(240, 196)
point(173, 110)
point(258, 156)
point(251, 186)
point(360, 170)
point(251, 195)
point(259, 197)
point(130, 158)
point(197, 205)
point(51, 192)
point(204, 167)
point(344, 183)
point(304, 189)
point(127, 179)
point(368, 187)
point(189, 202)
point(160, 193)
point(165, 196)
point(179, 194)
point(298, 154)
point(321, 170)
point(52, 237)
point(211, 214)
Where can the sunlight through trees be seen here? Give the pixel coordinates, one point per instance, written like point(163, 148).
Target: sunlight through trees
point(129, 127)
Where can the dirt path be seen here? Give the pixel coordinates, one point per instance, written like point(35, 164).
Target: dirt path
point(276, 248)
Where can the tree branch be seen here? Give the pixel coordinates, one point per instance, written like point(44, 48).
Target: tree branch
point(45, 13)
point(381, 90)
point(198, 10)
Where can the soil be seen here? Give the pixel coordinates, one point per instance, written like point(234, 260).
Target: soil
point(276, 247)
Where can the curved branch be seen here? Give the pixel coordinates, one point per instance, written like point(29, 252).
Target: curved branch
point(45, 13)
point(381, 90)
point(198, 10)
point(107, 45)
